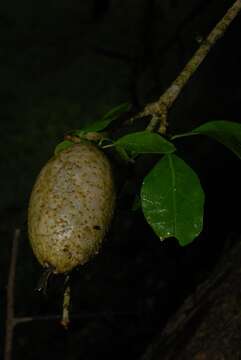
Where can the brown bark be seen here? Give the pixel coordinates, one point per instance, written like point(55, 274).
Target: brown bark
point(208, 324)
point(159, 109)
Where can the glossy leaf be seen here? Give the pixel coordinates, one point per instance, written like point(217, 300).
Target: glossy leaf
point(101, 124)
point(117, 111)
point(62, 146)
point(172, 200)
point(144, 142)
point(226, 132)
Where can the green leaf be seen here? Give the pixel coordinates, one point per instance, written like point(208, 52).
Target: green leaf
point(145, 142)
point(117, 111)
point(172, 200)
point(101, 124)
point(79, 133)
point(62, 146)
point(96, 126)
point(226, 132)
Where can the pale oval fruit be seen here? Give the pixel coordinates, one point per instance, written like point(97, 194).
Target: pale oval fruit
point(71, 207)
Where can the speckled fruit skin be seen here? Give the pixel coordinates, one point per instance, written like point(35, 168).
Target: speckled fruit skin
point(71, 207)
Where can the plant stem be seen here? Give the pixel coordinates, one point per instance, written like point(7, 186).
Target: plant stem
point(84, 315)
point(66, 305)
point(159, 109)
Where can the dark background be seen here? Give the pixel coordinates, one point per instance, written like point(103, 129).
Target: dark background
point(63, 64)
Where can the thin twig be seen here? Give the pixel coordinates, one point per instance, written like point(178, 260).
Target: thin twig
point(85, 315)
point(66, 305)
point(12, 321)
point(10, 297)
point(159, 109)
